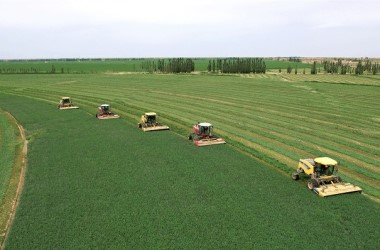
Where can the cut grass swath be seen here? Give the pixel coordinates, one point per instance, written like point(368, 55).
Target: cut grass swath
point(305, 117)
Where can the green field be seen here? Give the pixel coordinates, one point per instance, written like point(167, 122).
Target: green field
point(105, 184)
point(11, 145)
point(114, 65)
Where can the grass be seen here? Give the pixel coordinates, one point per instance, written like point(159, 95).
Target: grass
point(113, 65)
point(78, 66)
point(101, 184)
point(281, 121)
point(8, 140)
point(273, 64)
point(10, 167)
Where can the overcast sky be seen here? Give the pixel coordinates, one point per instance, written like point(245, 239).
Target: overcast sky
point(193, 28)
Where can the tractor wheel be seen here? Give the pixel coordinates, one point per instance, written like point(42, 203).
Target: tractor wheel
point(312, 183)
point(139, 125)
point(295, 176)
point(338, 179)
point(190, 137)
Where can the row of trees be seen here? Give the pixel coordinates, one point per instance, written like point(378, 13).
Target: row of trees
point(294, 59)
point(175, 65)
point(237, 65)
point(33, 70)
point(313, 69)
point(290, 69)
point(73, 59)
point(338, 67)
point(367, 66)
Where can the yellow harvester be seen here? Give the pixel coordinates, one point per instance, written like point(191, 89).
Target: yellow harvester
point(323, 180)
point(149, 122)
point(66, 103)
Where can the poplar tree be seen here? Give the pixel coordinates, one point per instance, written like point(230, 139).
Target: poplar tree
point(289, 69)
point(314, 68)
point(359, 68)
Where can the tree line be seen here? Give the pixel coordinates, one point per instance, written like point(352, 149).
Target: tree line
point(237, 65)
point(173, 65)
point(33, 70)
point(338, 67)
point(313, 69)
point(294, 59)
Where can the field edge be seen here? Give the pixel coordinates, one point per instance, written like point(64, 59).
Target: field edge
point(11, 198)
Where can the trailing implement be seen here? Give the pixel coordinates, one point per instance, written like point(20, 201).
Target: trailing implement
point(104, 112)
point(66, 103)
point(149, 122)
point(202, 135)
point(323, 180)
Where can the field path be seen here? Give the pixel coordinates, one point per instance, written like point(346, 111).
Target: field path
point(15, 200)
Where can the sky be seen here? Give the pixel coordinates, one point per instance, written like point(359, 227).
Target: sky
point(34, 29)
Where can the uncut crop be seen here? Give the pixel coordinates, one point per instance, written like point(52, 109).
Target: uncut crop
point(104, 184)
point(8, 144)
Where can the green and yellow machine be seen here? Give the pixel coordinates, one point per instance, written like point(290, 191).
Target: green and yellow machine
point(149, 122)
point(66, 103)
point(323, 179)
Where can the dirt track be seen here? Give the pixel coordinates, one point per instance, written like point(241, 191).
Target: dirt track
point(20, 183)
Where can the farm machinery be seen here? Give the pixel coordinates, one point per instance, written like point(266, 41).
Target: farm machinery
point(66, 103)
point(323, 179)
point(104, 112)
point(202, 135)
point(149, 122)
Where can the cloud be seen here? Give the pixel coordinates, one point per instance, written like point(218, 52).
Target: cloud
point(198, 27)
point(42, 13)
point(353, 14)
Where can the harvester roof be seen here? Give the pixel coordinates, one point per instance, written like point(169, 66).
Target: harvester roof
point(150, 114)
point(65, 97)
point(325, 161)
point(205, 124)
point(105, 105)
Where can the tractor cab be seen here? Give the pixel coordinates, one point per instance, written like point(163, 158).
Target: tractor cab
point(324, 166)
point(105, 108)
point(150, 118)
point(66, 100)
point(104, 112)
point(149, 122)
point(66, 103)
point(203, 129)
point(202, 135)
